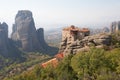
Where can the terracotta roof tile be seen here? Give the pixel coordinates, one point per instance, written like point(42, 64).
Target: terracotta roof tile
point(59, 55)
point(73, 28)
point(52, 62)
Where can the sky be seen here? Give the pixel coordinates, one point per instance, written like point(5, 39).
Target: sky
point(58, 13)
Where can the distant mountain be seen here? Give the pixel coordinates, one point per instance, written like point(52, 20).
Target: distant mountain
point(106, 29)
point(53, 36)
point(99, 30)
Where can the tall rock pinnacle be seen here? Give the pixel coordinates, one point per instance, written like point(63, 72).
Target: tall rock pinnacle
point(3, 39)
point(24, 31)
point(25, 35)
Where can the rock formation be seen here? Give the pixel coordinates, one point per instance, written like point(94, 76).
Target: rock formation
point(105, 30)
point(40, 35)
point(72, 44)
point(3, 39)
point(26, 36)
point(44, 45)
point(24, 31)
point(7, 48)
point(115, 27)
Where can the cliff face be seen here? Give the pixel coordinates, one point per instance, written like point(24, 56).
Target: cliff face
point(7, 48)
point(3, 39)
point(25, 35)
point(40, 35)
point(24, 31)
point(71, 44)
point(44, 46)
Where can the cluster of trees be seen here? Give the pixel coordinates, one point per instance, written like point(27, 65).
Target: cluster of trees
point(96, 64)
point(116, 39)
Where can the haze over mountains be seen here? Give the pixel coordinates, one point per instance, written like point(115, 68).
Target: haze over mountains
point(53, 13)
point(26, 37)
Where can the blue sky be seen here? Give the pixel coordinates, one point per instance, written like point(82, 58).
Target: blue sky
point(54, 13)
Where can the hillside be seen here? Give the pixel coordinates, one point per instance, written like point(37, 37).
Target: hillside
point(15, 68)
point(93, 64)
point(97, 64)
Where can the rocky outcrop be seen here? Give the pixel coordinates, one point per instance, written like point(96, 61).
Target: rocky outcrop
point(84, 44)
point(115, 27)
point(24, 31)
point(44, 46)
point(25, 35)
point(7, 47)
point(3, 39)
point(40, 35)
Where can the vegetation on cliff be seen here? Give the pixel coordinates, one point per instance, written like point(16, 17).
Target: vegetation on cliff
point(96, 64)
point(116, 39)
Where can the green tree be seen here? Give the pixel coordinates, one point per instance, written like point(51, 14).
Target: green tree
point(64, 70)
point(89, 64)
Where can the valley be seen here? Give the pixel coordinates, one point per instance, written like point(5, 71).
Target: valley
point(67, 53)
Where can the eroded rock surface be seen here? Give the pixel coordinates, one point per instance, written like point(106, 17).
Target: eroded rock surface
point(25, 35)
point(24, 31)
point(83, 43)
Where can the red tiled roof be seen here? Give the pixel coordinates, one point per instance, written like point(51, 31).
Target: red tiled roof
point(59, 55)
point(52, 62)
point(84, 31)
point(73, 28)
